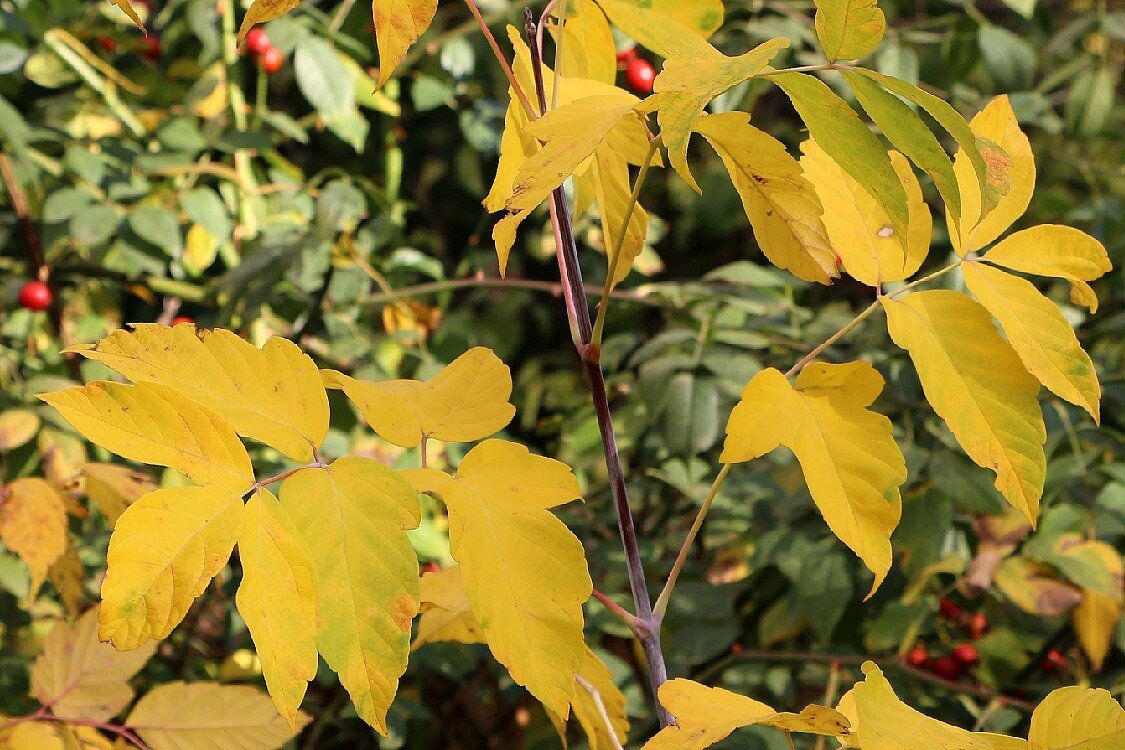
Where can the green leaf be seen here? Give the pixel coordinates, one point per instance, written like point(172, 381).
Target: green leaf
point(323, 79)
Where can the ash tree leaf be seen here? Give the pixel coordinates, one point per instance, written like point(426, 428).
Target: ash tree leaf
point(609, 174)
point(114, 488)
point(847, 452)
point(1096, 616)
point(597, 675)
point(976, 382)
point(446, 615)
point(1058, 251)
point(587, 49)
point(667, 27)
point(274, 394)
point(466, 401)
point(164, 552)
point(398, 25)
point(1077, 718)
point(523, 570)
point(849, 29)
point(262, 11)
point(1037, 330)
point(780, 202)
point(33, 525)
point(277, 599)
point(354, 516)
point(180, 715)
point(80, 677)
point(17, 427)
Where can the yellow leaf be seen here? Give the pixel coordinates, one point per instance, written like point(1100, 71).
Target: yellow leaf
point(33, 525)
point(997, 124)
point(154, 424)
point(523, 571)
point(68, 575)
point(688, 82)
point(80, 677)
point(1039, 333)
point(1058, 251)
point(114, 488)
point(466, 401)
point(667, 27)
point(1097, 615)
point(781, 204)
point(354, 516)
point(262, 11)
point(610, 174)
point(17, 426)
point(975, 382)
point(178, 715)
point(859, 228)
point(399, 24)
point(272, 394)
point(61, 456)
point(598, 677)
point(587, 49)
point(277, 599)
point(446, 615)
point(164, 552)
point(849, 29)
point(847, 452)
point(200, 249)
point(128, 9)
point(1077, 718)
point(35, 735)
point(1035, 588)
point(706, 715)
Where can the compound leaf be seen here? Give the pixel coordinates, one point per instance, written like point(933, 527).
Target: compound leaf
point(1058, 251)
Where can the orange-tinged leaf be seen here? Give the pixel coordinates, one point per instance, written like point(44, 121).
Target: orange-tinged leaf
point(164, 552)
point(354, 516)
point(1058, 251)
point(1077, 718)
point(446, 615)
point(849, 29)
point(846, 451)
point(80, 677)
point(273, 394)
point(398, 25)
point(1040, 334)
point(277, 599)
point(976, 382)
point(466, 401)
point(155, 424)
point(114, 487)
point(523, 571)
point(262, 11)
point(33, 525)
point(128, 9)
point(17, 426)
point(780, 202)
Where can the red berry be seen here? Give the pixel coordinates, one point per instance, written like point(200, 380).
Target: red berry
point(183, 319)
point(107, 43)
point(271, 59)
point(1053, 661)
point(150, 47)
point(626, 56)
point(35, 296)
point(431, 567)
point(947, 668)
point(917, 656)
point(977, 625)
point(949, 610)
point(257, 41)
point(639, 75)
point(736, 649)
point(966, 653)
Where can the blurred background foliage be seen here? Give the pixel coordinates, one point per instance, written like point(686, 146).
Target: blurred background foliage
point(173, 177)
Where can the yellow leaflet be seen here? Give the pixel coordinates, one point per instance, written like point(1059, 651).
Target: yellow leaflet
point(1096, 616)
point(17, 426)
point(667, 27)
point(446, 615)
point(781, 204)
point(200, 249)
point(208, 715)
point(1076, 718)
point(154, 424)
point(523, 571)
point(128, 9)
point(33, 525)
point(975, 382)
point(859, 228)
point(272, 394)
point(277, 599)
point(114, 487)
point(354, 516)
point(1054, 250)
point(847, 452)
point(598, 677)
point(466, 401)
point(82, 678)
point(164, 552)
point(997, 124)
point(706, 715)
point(399, 24)
point(68, 575)
point(613, 191)
point(587, 47)
point(1039, 333)
point(688, 82)
point(262, 11)
point(880, 721)
point(849, 29)
point(35, 735)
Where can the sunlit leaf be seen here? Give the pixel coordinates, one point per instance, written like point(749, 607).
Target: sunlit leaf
point(446, 615)
point(398, 25)
point(1059, 251)
point(1077, 718)
point(262, 11)
point(849, 29)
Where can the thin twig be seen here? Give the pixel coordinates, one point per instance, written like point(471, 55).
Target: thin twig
point(500, 58)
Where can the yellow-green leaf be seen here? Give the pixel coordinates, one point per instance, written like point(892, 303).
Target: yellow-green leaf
point(780, 202)
point(667, 27)
point(114, 487)
point(838, 130)
point(128, 9)
point(610, 173)
point(273, 394)
point(847, 452)
point(466, 401)
point(976, 382)
point(1058, 251)
point(157, 425)
point(597, 677)
point(17, 426)
point(277, 599)
point(33, 525)
point(446, 615)
point(354, 516)
point(858, 227)
point(164, 552)
point(587, 49)
point(1035, 588)
point(849, 29)
point(178, 715)
point(523, 570)
point(262, 11)
point(80, 677)
point(1096, 616)
point(200, 249)
point(399, 24)
point(1039, 333)
point(1077, 718)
